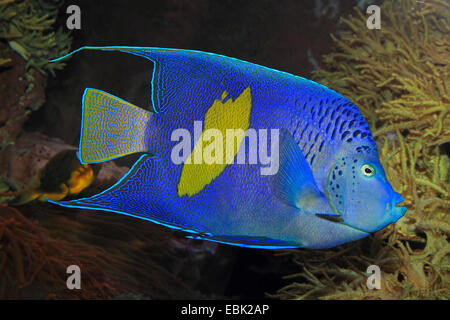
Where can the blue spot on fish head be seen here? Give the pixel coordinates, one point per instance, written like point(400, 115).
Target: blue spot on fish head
point(358, 190)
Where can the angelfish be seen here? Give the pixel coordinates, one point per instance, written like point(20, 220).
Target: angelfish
point(329, 187)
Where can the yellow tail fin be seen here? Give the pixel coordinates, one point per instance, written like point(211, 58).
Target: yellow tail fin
point(111, 127)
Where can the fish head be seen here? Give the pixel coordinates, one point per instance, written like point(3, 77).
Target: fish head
point(357, 189)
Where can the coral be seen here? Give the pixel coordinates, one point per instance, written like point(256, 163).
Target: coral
point(62, 175)
point(42, 167)
point(143, 261)
point(27, 41)
point(118, 256)
point(27, 27)
point(17, 105)
point(398, 76)
point(34, 257)
point(30, 261)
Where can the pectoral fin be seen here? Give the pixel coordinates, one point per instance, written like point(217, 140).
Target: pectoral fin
point(294, 184)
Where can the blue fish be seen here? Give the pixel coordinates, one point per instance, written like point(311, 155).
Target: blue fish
point(322, 186)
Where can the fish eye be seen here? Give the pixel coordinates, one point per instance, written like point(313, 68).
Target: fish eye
point(368, 170)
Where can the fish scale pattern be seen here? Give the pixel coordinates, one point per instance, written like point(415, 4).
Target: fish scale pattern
point(328, 122)
point(117, 199)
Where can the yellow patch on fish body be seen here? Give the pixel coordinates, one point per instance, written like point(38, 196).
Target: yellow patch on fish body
point(222, 117)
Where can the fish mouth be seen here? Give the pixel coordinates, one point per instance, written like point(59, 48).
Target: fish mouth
point(393, 213)
point(396, 211)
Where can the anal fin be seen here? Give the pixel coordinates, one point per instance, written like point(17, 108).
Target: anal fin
point(248, 241)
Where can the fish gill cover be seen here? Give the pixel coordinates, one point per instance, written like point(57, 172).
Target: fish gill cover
point(398, 76)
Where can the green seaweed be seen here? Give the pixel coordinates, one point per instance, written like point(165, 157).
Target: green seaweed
point(27, 26)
